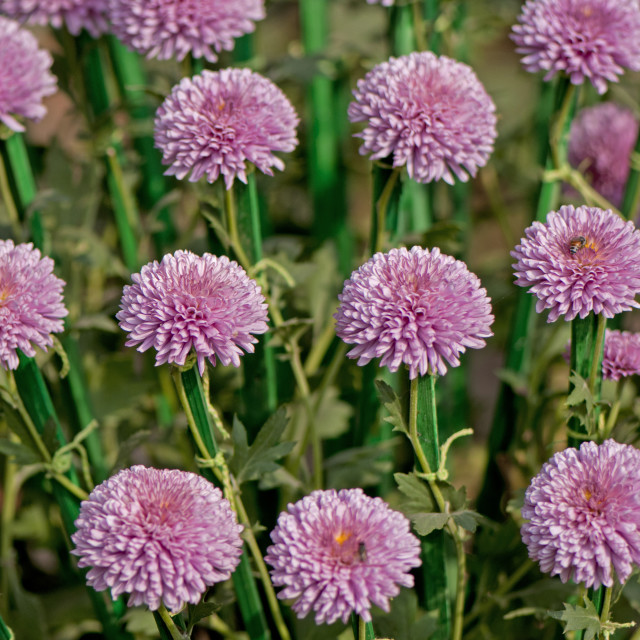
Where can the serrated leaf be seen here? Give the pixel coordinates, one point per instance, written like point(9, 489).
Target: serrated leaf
point(579, 392)
point(419, 497)
point(260, 458)
point(425, 523)
point(576, 617)
point(19, 453)
point(468, 520)
point(392, 404)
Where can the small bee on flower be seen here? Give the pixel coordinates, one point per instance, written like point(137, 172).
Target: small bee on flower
point(577, 242)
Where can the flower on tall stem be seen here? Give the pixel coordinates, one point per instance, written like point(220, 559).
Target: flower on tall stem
point(167, 29)
point(430, 113)
point(339, 552)
point(163, 536)
point(25, 76)
point(419, 307)
point(205, 304)
point(216, 122)
point(75, 15)
point(588, 40)
point(601, 140)
point(581, 260)
point(31, 306)
point(583, 512)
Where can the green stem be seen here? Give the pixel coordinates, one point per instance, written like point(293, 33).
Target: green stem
point(380, 210)
point(232, 227)
point(190, 392)
point(5, 632)
point(595, 373)
point(176, 634)
point(606, 605)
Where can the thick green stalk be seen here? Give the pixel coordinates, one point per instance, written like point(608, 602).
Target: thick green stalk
point(5, 632)
point(37, 401)
point(518, 358)
point(424, 427)
point(326, 176)
point(22, 184)
point(249, 601)
point(131, 79)
point(362, 630)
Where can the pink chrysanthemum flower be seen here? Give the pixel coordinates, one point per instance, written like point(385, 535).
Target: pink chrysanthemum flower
point(430, 113)
point(25, 77)
point(166, 29)
point(584, 514)
point(216, 122)
point(585, 39)
point(31, 306)
point(600, 144)
point(580, 261)
point(340, 552)
point(74, 14)
point(163, 536)
point(186, 302)
point(621, 356)
point(417, 307)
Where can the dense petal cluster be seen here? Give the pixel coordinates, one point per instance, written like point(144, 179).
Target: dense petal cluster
point(74, 14)
point(591, 39)
point(340, 552)
point(417, 307)
point(25, 76)
point(430, 113)
point(166, 29)
point(216, 122)
point(208, 304)
point(581, 260)
point(600, 144)
point(583, 510)
point(31, 306)
point(621, 354)
point(163, 536)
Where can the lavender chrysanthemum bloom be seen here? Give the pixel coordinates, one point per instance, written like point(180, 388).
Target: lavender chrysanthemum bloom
point(161, 535)
point(340, 552)
point(166, 29)
point(25, 76)
point(208, 304)
point(417, 307)
point(31, 306)
point(584, 514)
point(581, 260)
point(621, 356)
point(431, 113)
point(585, 39)
point(74, 14)
point(600, 144)
point(216, 122)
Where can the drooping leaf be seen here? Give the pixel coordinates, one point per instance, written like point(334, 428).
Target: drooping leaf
point(468, 519)
point(425, 523)
point(419, 498)
point(17, 452)
point(392, 404)
point(250, 463)
point(199, 611)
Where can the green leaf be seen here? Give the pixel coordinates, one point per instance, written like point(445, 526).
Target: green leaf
point(19, 453)
point(199, 611)
point(468, 520)
point(250, 463)
point(392, 404)
point(576, 617)
point(425, 523)
point(360, 466)
point(418, 494)
point(332, 415)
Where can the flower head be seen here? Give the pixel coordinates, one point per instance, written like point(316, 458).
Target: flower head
point(621, 354)
point(431, 113)
point(31, 306)
point(584, 513)
point(25, 76)
point(74, 14)
point(580, 260)
point(186, 302)
point(585, 39)
point(163, 536)
point(216, 122)
point(417, 307)
point(340, 552)
point(166, 29)
point(600, 144)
